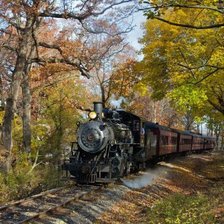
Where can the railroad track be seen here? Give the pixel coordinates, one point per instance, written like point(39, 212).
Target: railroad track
point(27, 210)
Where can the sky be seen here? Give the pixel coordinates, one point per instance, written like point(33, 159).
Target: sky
point(137, 32)
point(133, 37)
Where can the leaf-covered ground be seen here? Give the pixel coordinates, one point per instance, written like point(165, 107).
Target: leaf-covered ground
point(185, 190)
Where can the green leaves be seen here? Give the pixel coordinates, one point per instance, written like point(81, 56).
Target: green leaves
point(186, 97)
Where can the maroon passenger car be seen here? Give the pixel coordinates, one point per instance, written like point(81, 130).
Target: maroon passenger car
point(161, 140)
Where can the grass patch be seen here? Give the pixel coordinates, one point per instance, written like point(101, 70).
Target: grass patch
point(205, 206)
point(185, 209)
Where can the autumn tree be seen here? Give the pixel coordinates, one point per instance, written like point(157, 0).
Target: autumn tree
point(103, 49)
point(21, 21)
point(156, 9)
point(156, 111)
point(116, 77)
point(124, 79)
point(183, 64)
point(56, 112)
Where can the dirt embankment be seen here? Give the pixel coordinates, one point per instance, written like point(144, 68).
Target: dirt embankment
point(183, 190)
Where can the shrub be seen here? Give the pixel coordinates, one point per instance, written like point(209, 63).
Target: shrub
point(23, 181)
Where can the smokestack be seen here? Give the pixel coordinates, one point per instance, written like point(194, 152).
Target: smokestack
point(98, 108)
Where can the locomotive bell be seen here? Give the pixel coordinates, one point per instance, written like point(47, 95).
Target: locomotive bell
point(98, 108)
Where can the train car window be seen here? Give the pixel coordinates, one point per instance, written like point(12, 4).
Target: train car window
point(153, 140)
point(197, 140)
point(185, 141)
point(148, 140)
point(174, 140)
point(136, 125)
point(164, 140)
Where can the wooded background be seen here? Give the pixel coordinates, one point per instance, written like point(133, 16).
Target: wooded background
point(57, 57)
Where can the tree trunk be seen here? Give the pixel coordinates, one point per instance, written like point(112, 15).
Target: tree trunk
point(26, 113)
point(1, 95)
point(188, 121)
point(154, 119)
point(7, 131)
point(219, 107)
point(9, 116)
point(103, 97)
point(18, 74)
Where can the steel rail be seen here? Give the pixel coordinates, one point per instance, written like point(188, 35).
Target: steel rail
point(63, 199)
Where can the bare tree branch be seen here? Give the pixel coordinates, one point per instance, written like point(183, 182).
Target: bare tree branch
point(51, 46)
point(153, 12)
point(202, 66)
point(11, 22)
point(82, 16)
point(156, 7)
point(216, 106)
point(183, 56)
point(205, 77)
point(103, 31)
point(5, 31)
point(192, 7)
point(188, 25)
point(77, 64)
point(9, 47)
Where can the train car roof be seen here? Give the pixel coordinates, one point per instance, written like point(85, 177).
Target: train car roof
point(157, 126)
point(150, 124)
point(209, 137)
point(186, 132)
point(124, 113)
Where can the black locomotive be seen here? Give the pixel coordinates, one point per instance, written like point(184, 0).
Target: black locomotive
point(115, 143)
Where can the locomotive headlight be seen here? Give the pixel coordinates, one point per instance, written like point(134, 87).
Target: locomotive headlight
point(92, 115)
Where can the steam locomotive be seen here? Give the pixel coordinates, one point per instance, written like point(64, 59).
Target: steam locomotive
point(114, 143)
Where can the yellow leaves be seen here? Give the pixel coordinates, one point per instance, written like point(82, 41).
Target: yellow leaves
point(186, 97)
point(179, 77)
point(179, 63)
point(141, 88)
point(218, 56)
point(1, 116)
